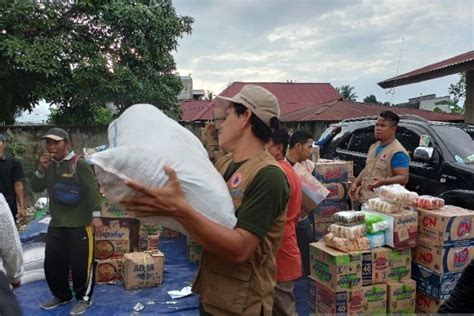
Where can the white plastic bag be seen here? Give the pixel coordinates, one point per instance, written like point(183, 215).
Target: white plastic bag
point(141, 142)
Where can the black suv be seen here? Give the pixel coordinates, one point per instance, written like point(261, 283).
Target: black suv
point(443, 168)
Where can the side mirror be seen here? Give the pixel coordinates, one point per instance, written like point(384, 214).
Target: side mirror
point(423, 153)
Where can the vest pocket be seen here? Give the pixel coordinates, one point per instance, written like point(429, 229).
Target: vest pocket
point(381, 164)
point(226, 287)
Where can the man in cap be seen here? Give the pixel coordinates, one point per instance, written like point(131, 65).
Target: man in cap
point(11, 182)
point(73, 196)
point(288, 259)
point(237, 271)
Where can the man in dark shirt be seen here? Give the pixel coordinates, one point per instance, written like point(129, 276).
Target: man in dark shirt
point(11, 182)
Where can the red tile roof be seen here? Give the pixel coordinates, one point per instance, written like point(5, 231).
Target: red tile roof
point(340, 110)
point(291, 96)
point(453, 65)
point(190, 109)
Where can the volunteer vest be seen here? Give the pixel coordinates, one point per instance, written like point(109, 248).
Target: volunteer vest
point(242, 289)
point(378, 166)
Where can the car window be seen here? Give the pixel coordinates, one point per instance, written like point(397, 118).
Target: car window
point(409, 139)
point(359, 141)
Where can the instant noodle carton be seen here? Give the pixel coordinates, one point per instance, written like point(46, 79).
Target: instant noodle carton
point(313, 191)
point(401, 297)
point(434, 284)
point(143, 269)
point(441, 258)
point(116, 237)
point(325, 211)
point(426, 304)
point(366, 300)
point(449, 225)
point(335, 269)
point(375, 266)
point(109, 271)
point(337, 191)
point(330, 171)
point(110, 210)
point(399, 264)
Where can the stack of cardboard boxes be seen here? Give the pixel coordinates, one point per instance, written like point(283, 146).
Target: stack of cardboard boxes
point(375, 281)
point(445, 248)
point(334, 175)
point(126, 250)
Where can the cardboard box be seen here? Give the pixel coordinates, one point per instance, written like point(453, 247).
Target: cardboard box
point(401, 297)
point(449, 225)
point(399, 264)
point(402, 231)
point(325, 211)
point(335, 269)
point(313, 191)
point(436, 285)
point(441, 258)
point(375, 266)
point(110, 210)
point(329, 171)
point(426, 304)
point(143, 269)
point(312, 292)
point(337, 191)
point(116, 237)
point(109, 271)
point(366, 300)
point(111, 249)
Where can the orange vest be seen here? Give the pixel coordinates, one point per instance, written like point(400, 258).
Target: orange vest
point(242, 289)
point(378, 167)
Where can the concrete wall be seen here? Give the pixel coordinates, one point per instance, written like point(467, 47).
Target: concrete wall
point(81, 137)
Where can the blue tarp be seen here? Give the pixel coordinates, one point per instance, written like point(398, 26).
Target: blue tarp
point(116, 300)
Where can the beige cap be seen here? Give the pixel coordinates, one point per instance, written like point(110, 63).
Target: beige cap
point(258, 100)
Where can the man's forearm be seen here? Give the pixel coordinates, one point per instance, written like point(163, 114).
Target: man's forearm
point(398, 179)
point(20, 194)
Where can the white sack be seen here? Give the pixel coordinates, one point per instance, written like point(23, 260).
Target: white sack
point(141, 141)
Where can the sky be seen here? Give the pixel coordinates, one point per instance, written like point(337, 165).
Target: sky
point(358, 43)
point(343, 42)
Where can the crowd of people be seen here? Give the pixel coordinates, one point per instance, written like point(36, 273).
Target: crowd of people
point(247, 270)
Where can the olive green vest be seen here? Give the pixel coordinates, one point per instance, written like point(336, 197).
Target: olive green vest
point(242, 289)
point(378, 167)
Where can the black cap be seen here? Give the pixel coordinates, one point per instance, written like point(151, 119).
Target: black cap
point(56, 134)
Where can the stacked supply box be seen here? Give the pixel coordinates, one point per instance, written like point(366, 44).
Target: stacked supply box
point(143, 269)
point(445, 248)
point(335, 176)
point(348, 283)
point(115, 238)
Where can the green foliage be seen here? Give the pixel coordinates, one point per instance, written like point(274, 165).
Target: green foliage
point(438, 110)
point(457, 92)
point(94, 115)
point(15, 149)
point(80, 55)
point(347, 92)
point(371, 99)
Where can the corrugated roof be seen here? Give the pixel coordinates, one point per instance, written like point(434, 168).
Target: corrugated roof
point(341, 110)
point(291, 96)
point(453, 65)
point(190, 109)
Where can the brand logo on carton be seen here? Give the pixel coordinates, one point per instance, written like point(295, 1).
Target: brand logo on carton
point(448, 286)
point(407, 220)
point(335, 173)
point(461, 257)
point(111, 234)
point(381, 263)
point(141, 268)
point(426, 257)
point(464, 227)
point(404, 292)
point(429, 221)
point(322, 272)
point(348, 280)
point(423, 301)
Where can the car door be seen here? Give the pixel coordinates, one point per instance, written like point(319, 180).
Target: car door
point(355, 147)
point(424, 175)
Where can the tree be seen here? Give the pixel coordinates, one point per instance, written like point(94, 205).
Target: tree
point(209, 95)
point(347, 92)
point(80, 55)
point(457, 92)
point(371, 99)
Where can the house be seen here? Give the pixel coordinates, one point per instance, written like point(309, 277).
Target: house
point(313, 106)
point(428, 102)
